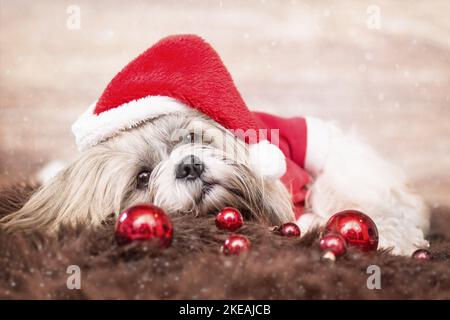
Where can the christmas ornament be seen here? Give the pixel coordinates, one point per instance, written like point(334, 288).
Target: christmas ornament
point(357, 229)
point(422, 254)
point(229, 219)
point(290, 230)
point(144, 222)
point(235, 244)
point(333, 243)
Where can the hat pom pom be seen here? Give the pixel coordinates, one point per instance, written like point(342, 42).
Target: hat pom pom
point(267, 160)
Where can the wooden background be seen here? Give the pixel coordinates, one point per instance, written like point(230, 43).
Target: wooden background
point(289, 57)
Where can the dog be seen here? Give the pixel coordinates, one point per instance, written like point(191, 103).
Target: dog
point(187, 160)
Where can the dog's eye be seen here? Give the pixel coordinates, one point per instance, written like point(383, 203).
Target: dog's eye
point(142, 179)
point(195, 137)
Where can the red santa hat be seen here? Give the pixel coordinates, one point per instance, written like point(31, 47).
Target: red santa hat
point(178, 72)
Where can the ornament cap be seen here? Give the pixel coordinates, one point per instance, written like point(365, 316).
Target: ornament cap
point(329, 256)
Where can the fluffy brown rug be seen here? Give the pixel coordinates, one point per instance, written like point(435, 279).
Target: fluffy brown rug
point(34, 267)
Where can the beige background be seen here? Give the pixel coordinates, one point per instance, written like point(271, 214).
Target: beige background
point(289, 57)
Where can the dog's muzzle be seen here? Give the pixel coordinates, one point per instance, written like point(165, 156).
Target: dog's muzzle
point(190, 168)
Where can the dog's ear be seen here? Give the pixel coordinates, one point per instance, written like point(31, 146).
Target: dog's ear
point(84, 193)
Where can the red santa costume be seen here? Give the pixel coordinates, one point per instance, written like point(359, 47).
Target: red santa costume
point(184, 71)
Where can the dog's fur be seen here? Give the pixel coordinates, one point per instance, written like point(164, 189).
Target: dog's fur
point(102, 181)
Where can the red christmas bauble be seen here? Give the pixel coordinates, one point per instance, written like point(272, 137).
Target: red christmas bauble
point(422, 254)
point(335, 243)
point(235, 244)
point(290, 230)
point(229, 219)
point(144, 222)
point(357, 229)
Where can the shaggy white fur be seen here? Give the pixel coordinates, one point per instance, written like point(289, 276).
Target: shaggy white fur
point(354, 176)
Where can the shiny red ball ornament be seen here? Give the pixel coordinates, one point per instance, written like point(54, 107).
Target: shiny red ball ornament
point(422, 254)
point(357, 229)
point(144, 222)
point(229, 219)
point(333, 243)
point(235, 244)
point(290, 230)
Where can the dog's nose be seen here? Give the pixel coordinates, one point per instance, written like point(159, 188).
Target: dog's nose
point(191, 167)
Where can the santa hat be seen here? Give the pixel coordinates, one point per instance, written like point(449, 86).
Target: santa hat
point(178, 72)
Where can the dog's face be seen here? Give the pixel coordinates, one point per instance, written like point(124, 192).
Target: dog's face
point(184, 162)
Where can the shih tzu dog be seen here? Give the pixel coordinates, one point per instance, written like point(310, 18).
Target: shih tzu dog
point(172, 129)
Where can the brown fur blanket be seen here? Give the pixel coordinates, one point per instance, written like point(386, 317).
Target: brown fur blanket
point(33, 266)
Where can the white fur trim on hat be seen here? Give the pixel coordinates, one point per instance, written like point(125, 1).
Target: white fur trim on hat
point(267, 160)
point(91, 129)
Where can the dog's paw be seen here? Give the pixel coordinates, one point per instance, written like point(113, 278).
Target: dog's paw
point(401, 241)
point(403, 249)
